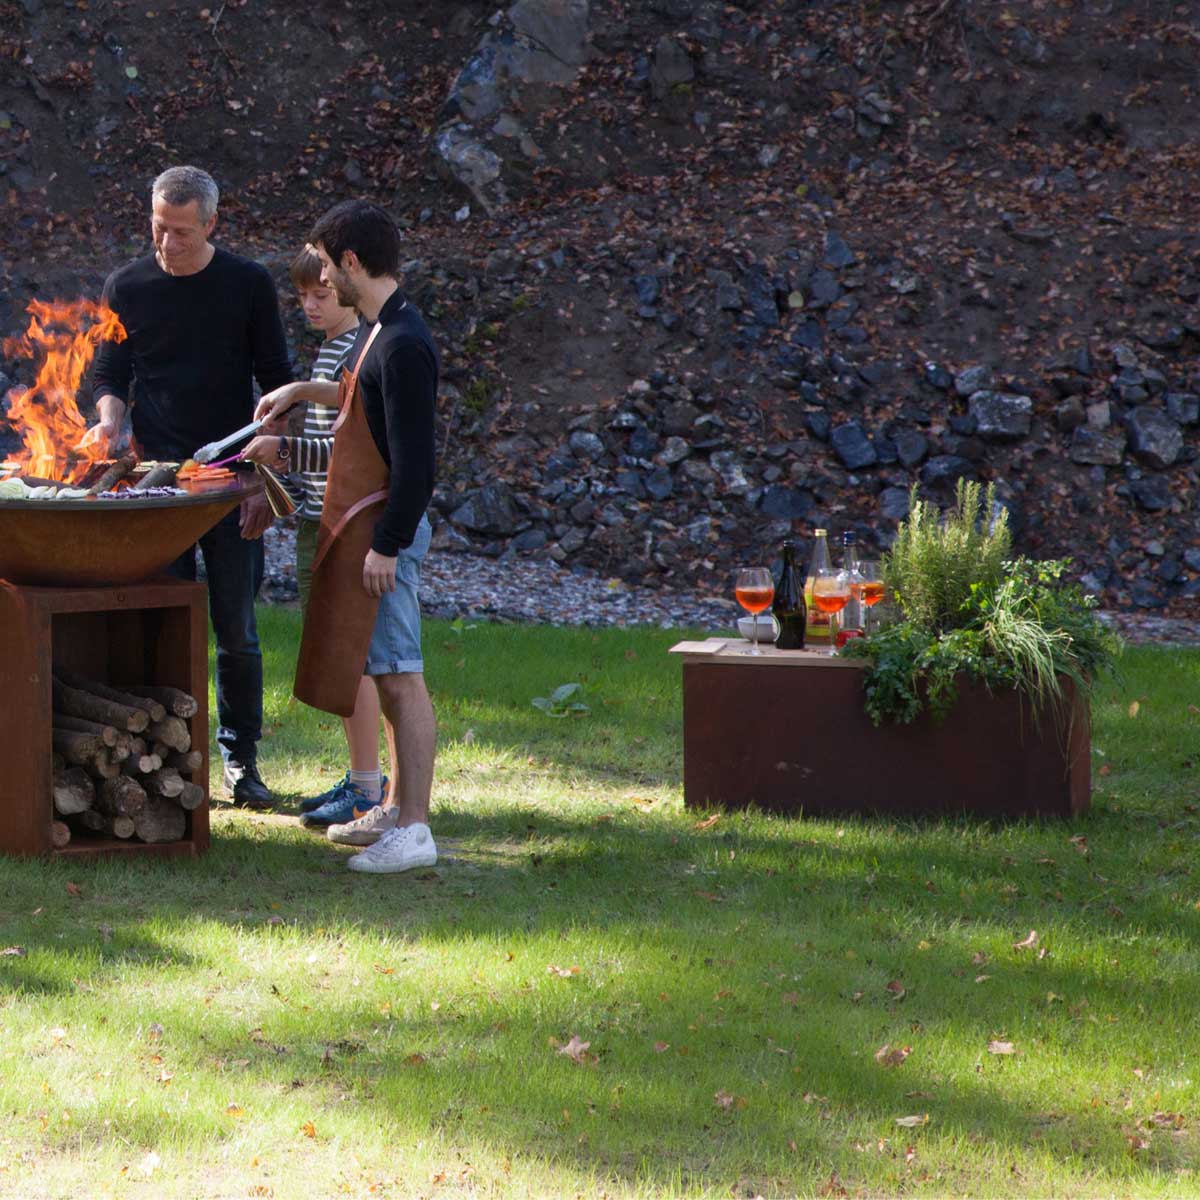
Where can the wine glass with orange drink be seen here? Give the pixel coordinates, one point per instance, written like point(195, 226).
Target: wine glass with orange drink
point(831, 593)
point(868, 589)
point(755, 589)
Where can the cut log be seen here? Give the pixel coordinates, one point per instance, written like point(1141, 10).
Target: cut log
point(124, 827)
point(178, 703)
point(78, 748)
point(103, 767)
point(162, 820)
point(161, 476)
point(114, 475)
point(140, 764)
point(60, 834)
point(153, 709)
point(74, 791)
point(172, 731)
point(106, 733)
point(166, 781)
point(185, 763)
point(89, 821)
point(121, 796)
point(78, 703)
point(192, 797)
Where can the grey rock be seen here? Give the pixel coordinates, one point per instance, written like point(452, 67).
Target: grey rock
point(760, 296)
point(937, 376)
point(768, 156)
point(852, 446)
point(1099, 415)
point(1155, 548)
point(1030, 48)
point(674, 451)
point(785, 503)
point(1069, 415)
point(643, 442)
point(531, 539)
point(732, 476)
point(1183, 407)
point(586, 445)
point(1192, 558)
point(823, 289)
point(631, 481)
point(1144, 594)
point(945, 469)
point(893, 503)
point(468, 162)
point(1001, 417)
point(670, 68)
point(1092, 584)
point(1170, 571)
point(911, 447)
point(837, 253)
point(1102, 447)
point(702, 529)
point(490, 509)
point(557, 27)
point(648, 289)
point(1153, 493)
point(1124, 356)
point(973, 379)
point(659, 483)
point(818, 424)
point(573, 539)
point(1154, 437)
point(679, 417)
point(698, 471)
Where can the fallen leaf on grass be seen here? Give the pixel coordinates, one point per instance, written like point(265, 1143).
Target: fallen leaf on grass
point(576, 1050)
point(1137, 1142)
point(913, 1122)
point(708, 822)
point(13, 952)
point(236, 1111)
point(73, 889)
point(892, 1056)
point(995, 1047)
point(308, 1129)
point(562, 972)
point(978, 958)
point(414, 1060)
point(1134, 708)
point(726, 1101)
point(896, 989)
point(712, 899)
point(660, 1047)
point(1029, 942)
point(1079, 841)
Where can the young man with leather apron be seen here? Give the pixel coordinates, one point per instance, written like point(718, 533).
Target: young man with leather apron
point(363, 615)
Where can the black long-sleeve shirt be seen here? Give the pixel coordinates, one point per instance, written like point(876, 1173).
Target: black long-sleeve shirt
point(398, 383)
point(195, 345)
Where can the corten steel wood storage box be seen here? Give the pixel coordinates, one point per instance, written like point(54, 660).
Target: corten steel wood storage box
point(788, 733)
point(149, 633)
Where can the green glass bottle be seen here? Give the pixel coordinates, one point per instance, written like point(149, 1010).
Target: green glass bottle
point(788, 605)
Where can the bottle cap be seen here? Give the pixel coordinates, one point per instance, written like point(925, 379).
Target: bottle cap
point(818, 532)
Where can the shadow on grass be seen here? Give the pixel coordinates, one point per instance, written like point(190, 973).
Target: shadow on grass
point(779, 932)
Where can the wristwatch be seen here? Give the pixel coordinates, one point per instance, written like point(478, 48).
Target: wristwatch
point(284, 452)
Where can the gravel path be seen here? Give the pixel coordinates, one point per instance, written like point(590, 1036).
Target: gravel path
point(525, 589)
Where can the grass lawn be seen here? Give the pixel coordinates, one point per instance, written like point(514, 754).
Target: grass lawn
point(595, 992)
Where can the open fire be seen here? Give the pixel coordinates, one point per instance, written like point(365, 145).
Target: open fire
point(61, 340)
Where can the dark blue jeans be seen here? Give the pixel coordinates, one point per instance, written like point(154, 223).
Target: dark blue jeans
point(234, 567)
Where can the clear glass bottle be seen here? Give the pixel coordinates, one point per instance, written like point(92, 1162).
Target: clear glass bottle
point(852, 614)
point(817, 628)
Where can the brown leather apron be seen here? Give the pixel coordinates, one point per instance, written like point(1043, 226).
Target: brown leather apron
point(341, 612)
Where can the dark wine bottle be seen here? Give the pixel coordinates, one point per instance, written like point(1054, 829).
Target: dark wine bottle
point(788, 606)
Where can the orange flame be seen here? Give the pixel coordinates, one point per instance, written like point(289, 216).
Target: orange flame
point(62, 337)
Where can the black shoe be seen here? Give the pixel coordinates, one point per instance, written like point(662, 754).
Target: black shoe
point(245, 785)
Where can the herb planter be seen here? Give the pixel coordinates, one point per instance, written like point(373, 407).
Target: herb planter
point(787, 733)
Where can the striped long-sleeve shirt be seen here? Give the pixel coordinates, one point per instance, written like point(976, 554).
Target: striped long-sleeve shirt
point(310, 452)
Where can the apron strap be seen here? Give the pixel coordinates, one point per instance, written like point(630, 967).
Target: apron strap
point(350, 379)
point(344, 520)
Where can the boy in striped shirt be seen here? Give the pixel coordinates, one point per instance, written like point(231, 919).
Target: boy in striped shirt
point(308, 458)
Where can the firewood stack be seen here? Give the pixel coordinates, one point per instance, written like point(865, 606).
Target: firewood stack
point(123, 761)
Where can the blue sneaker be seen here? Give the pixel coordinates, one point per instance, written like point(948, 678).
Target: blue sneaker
point(348, 803)
point(314, 802)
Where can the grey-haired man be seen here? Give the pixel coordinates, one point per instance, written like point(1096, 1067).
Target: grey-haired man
point(202, 325)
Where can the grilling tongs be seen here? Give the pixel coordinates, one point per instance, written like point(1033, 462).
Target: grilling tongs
point(214, 449)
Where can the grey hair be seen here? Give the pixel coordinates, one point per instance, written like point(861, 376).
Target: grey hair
point(182, 185)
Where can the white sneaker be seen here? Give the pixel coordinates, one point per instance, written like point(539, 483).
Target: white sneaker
point(399, 849)
point(367, 830)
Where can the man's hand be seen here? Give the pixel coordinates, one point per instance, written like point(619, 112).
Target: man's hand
point(274, 405)
point(256, 517)
point(379, 573)
point(99, 439)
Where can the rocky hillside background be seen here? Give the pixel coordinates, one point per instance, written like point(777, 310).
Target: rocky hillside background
point(703, 272)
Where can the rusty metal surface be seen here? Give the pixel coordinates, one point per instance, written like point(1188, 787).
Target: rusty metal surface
point(93, 542)
point(796, 739)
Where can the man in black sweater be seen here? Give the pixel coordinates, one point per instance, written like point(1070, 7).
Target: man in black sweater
point(202, 325)
point(364, 614)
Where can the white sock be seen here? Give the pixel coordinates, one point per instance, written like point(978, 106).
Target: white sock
point(370, 783)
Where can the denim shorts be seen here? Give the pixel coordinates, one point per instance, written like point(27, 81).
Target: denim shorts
point(396, 641)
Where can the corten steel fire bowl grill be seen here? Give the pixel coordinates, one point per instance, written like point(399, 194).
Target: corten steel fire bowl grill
point(93, 542)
